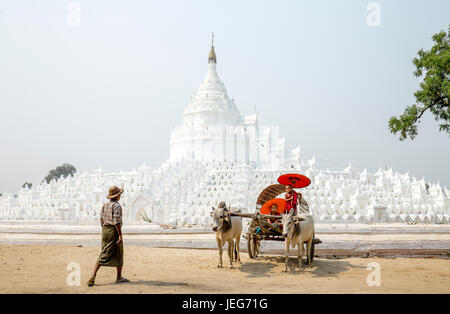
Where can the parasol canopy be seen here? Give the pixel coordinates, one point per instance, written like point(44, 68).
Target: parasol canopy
point(294, 179)
point(266, 208)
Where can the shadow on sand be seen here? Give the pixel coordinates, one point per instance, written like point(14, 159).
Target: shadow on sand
point(262, 265)
point(149, 283)
point(259, 267)
point(331, 267)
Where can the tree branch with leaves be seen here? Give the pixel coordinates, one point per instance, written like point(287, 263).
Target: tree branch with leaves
point(434, 92)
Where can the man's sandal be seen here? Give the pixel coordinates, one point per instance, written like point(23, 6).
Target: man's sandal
point(91, 281)
point(122, 280)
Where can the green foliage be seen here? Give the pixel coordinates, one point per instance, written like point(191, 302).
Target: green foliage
point(27, 184)
point(61, 171)
point(434, 91)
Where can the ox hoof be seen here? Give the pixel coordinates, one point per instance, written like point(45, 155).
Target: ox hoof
point(219, 266)
point(285, 270)
point(231, 267)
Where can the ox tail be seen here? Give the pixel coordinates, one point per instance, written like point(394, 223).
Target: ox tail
point(235, 251)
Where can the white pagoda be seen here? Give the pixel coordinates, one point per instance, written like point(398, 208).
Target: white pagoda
point(219, 155)
point(214, 130)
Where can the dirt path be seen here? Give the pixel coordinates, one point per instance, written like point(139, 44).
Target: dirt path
point(43, 269)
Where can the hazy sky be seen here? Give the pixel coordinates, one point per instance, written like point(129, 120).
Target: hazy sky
point(109, 91)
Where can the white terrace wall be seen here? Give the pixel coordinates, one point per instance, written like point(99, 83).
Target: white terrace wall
point(182, 193)
point(218, 154)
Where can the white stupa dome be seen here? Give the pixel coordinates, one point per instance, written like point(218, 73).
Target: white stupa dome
point(211, 103)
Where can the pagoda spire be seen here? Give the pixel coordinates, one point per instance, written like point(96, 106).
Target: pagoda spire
point(212, 54)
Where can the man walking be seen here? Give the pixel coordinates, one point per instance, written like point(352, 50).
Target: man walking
point(112, 245)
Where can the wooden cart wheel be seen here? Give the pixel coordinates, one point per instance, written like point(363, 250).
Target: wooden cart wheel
point(249, 246)
point(253, 246)
point(256, 252)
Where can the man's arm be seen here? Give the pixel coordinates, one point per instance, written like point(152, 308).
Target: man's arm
point(117, 216)
point(119, 231)
point(101, 216)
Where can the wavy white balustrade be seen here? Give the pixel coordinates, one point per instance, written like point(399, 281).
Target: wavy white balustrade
point(183, 193)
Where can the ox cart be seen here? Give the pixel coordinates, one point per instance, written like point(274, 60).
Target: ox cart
point(260, 226)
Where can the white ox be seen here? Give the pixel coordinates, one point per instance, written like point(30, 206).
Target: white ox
point(296, 231)
point(228, 229)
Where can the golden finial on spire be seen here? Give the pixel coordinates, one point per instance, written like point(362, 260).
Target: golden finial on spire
point(212, 54)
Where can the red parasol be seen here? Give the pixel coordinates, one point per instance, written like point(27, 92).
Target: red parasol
point(266, 208)
point(294, 179)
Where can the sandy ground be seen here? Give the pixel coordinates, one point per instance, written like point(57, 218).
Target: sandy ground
point(43, 269)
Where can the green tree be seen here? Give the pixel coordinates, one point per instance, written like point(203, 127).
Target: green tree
point(61, 171)
point(27, 184)
point(434, 92)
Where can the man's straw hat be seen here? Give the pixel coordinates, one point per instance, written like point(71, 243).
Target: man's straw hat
point(114, 191)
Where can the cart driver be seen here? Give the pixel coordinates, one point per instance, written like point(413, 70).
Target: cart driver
point(292, 199)
point(274, 211)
